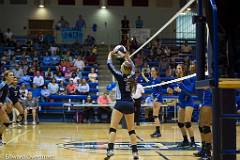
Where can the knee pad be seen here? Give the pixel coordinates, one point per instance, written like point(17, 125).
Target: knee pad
point(206, 129)
point(200, 129)
point(6, 124)
point(155, 117)
point(180, 125)
point(131, 132)
point(188, 124)
point(112, 130)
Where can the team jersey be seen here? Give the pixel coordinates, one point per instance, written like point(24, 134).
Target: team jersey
point(3, 91)
point(187, 87)
point(123, 91)
point(207, 98)
point(14, 93)
point(156, 91)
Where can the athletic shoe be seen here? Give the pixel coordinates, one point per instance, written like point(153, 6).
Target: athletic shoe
point(183, 144)
point(205, 157)
point(110, 153)
point(25, 122)
point(155, 135)
point(34, 123)
point(135, 155)
point(199, 153)
point(193, 145)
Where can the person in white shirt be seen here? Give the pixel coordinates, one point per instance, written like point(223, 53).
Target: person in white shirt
point(83, 88)
point(53, 87)
point(137, 96)
point(79, 63)
point(92, 75)
point(38, 80)
point(23, 92)
point(18, 71)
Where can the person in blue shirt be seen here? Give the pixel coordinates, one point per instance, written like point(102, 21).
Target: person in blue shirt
point(126, 85)
point(185, 90)
point(157, 97)
point(139, 22)
point(205, 120)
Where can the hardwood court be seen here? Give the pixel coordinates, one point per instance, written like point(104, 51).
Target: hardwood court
point(62, 141)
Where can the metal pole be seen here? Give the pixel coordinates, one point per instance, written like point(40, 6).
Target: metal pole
point(200, 46)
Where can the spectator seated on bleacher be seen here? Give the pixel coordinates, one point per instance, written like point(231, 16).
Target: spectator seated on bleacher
point(38, 80)
point(59, 77)
point(45, 92)
point(91, 59)
point(104, 111)
point(83, 88)
point(67, 73)
point(104, 99)
point(25, 79)
point(62, 88)
point(92, 76)
point(79, 73)
point(53, 87)
point(67, 56)
point(139, 60)
point(30, 103)
point(75, 78)
point(18, 71)
point(48, 74)
point(55, 59)
point(71, 87)
point(146, 69)
point(186, 48)
point(64, 64)
point(47, 60)
point(23, 92)
point(79, 63)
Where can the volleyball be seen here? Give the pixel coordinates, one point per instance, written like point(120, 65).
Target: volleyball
point(120, 48)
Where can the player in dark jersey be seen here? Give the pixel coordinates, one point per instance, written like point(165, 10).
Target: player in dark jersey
point(124, 103)
point(205, 120)
point(5, 103)
point(157, 93)
point(14, 96)
point(185, 90)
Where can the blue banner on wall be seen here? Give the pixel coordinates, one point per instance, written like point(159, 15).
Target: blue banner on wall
point(72, 35)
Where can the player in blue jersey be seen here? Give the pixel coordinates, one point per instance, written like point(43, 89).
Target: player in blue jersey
point(5, 103)
point(124, 106)
point(185, 90)
point(205, 120)
point(157, 93)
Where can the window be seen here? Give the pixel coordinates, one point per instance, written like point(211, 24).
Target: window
point(184, 27)
point(66, 2)
point(18, 1)
point(91, 2)
point(140, 3)
point(115, 2)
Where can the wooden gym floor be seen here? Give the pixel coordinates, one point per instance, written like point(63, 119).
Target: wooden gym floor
point(63, 141)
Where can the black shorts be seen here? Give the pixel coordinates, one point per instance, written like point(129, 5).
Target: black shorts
point(14, 99)
point(125, 107)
